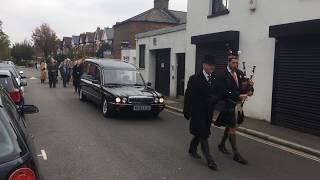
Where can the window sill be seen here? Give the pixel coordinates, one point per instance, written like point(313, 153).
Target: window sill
point(220, 13)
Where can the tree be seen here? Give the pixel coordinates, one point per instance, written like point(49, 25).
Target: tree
point(23, 50)
point(102, 49)
point(4, 44)
point(45, 39)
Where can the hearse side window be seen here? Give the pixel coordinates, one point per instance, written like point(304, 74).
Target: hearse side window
point(94, 72)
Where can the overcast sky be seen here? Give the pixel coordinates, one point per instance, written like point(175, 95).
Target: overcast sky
point(70, 17)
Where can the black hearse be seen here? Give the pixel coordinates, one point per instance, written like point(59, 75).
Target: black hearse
point(118, 87)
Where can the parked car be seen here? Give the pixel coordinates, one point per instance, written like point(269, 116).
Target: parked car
point(18, 75)
point(9, 83)
point(18, 159)
point(8, 62)
point(118, 87)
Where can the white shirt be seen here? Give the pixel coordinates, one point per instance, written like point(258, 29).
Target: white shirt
point(206, 75)
point(234, 74)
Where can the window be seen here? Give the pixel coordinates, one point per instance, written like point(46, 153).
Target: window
point(7, 83)
point(123, 77)
point(219, 7)
point(126, 59)
point(6, 144)
point(142, 55)
point(91, 72)
point(125, 44)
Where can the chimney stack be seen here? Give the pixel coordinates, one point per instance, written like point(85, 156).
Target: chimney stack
point(161, 4)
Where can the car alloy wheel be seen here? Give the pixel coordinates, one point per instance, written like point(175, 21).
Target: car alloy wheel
point(105, 109)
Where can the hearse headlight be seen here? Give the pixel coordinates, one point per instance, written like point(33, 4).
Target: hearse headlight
point(118, 100)
point(161, 100)
point(156, 100)
point(124, 100)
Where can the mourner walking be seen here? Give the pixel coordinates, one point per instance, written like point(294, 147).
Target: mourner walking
point(201, 95)
point(52, 73)
point(231, 83)
point(64, 71)
point(43, 73)
point(76, 75)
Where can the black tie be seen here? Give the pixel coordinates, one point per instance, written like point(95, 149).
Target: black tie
point(210, 80)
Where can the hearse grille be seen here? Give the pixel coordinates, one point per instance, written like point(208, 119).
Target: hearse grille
point(141, 99)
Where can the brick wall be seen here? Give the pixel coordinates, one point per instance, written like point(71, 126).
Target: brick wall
point(127, 32)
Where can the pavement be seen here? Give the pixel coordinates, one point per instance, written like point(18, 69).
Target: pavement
point(83, 145)
point(294, 139)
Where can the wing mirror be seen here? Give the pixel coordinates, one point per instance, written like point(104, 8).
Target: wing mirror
point(23, 83)
point(29, 109)
point(149, 84)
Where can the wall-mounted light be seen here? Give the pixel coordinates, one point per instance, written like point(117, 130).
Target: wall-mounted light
point(252, 5)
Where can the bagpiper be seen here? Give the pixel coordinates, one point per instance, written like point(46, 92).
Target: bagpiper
point(231, 83)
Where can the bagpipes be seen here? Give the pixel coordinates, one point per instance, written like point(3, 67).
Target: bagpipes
point(246, 86)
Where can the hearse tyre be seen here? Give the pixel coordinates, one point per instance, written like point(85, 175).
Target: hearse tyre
point(82, 97)
point(106, 111)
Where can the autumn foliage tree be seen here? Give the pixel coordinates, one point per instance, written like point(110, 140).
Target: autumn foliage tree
point(44, 39)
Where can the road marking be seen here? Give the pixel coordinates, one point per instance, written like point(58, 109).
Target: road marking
point(43, 155)
point(281, 147)
point(33, 78)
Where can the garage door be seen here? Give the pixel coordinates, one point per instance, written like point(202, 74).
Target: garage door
point(220, 52)
point(296, 93)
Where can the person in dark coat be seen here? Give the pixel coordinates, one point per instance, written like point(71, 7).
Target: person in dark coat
point(201, 95)
point(52, 73)
point(76, 76)
point(64, 72)
point(230, 81)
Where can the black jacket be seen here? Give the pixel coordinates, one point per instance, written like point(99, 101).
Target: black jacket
point(230, 95)
point(200, 99)
point(52, 69)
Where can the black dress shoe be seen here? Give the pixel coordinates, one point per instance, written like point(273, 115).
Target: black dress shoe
point(238, 158)
point(223, 149)
point(212, 165)
point(194, 154)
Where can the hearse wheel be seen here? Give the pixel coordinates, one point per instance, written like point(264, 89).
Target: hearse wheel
point(82, 97)
point(106, 111)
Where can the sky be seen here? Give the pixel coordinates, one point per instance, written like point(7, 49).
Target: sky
point(70, 17)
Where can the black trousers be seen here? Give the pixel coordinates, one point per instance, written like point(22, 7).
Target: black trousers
point(52, 80)
point(204, 147)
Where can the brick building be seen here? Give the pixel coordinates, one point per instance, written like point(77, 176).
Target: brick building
point(156, 18)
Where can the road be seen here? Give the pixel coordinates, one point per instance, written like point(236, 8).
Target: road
point(83, 145)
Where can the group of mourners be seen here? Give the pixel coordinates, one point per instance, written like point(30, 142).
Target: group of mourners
point(209, 92)
point(68, 70)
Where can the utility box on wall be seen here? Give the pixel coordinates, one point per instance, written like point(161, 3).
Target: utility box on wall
point(252, 5)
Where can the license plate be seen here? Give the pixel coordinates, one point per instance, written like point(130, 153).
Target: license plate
point(141, 108)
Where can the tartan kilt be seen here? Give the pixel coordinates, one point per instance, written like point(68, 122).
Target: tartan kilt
point(230, 116)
